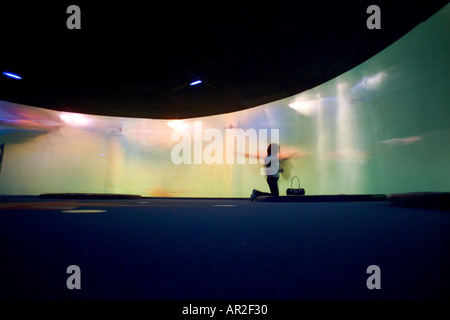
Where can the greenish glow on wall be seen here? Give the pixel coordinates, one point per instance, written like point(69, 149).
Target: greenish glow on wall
point(382, 127)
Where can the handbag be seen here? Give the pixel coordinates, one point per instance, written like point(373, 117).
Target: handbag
point(295, 191)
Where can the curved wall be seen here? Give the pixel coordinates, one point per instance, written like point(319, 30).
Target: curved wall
point(382, 127)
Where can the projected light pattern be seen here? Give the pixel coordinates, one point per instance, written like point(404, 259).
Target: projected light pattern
point(382, 127)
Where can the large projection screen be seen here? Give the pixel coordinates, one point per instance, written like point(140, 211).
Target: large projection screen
point(382, 127)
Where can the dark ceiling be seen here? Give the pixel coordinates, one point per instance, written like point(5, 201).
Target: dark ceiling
point(137, 58)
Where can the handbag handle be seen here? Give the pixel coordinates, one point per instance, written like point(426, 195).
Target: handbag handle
point(297, 180)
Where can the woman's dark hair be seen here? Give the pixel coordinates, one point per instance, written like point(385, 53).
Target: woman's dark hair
point(269, 148)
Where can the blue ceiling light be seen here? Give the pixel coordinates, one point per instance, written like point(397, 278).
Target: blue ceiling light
point(12, 75)
point(195, 82)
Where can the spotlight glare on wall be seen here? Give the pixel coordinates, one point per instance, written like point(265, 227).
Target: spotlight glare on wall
point(178, 125)
point(306, 108)
point(74, 119)
point(12, 75)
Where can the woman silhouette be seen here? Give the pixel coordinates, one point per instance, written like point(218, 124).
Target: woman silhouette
point(272, 171)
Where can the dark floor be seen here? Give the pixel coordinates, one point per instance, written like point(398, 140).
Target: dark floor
point(233, 249)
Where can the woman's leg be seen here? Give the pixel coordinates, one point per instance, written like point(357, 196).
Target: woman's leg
point(273, 185)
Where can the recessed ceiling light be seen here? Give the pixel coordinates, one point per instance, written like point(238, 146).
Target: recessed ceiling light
point(12, 75)
point(195, 82)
